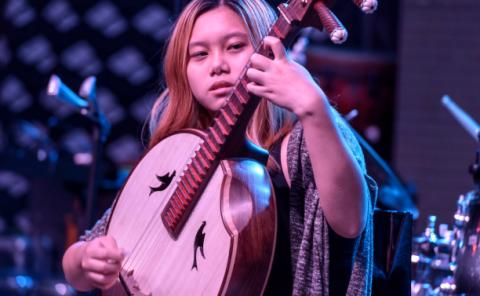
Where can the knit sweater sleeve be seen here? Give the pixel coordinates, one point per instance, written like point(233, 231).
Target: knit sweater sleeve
point(99, 229)
point(309, 230)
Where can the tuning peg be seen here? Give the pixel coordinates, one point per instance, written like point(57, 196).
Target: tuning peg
point(367, 6)
point(335, 29)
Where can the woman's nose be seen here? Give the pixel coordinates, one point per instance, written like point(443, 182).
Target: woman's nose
point(219, 64)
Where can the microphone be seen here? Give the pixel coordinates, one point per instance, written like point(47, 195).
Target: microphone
point(57, 88)
point(465, 120)
point(88, 89)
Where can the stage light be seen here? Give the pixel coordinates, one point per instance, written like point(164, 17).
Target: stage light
point(5, 55)
point(81, 58)
point(24, 281)
point(63, 289)
point(109, 106)
point(61, 15)
point(13, 94)
point(140, 108)
point(373, 133)
point(30, 135)
point(19, 12)
point(23, 222)
point(14, 184)
point(125, 150)
point(128, 62)
point(83, 158)
point(3, 140)
point(77, 141)
point(3, 225)
point(37, 52)
point(106, 18)
point(153, 20)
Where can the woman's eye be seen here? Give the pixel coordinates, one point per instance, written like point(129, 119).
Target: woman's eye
point(198, 54)
point(237, 46)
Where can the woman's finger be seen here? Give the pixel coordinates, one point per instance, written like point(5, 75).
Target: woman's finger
point(258, 90)
point(276, 46)
point(101, 266)
point(260, 62)
point(256, 76)
point(109, 242)
point(100, 251)
point(101, 281)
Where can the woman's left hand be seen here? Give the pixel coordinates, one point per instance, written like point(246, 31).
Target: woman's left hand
point(283, 81)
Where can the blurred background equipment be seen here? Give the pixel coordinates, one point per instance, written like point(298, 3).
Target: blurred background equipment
point(446, 261)
point(392, 69)
point(89, 108)
point(46, 146)
point(467, 217)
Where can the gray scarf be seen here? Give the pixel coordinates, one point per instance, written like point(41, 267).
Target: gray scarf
point(309, 231)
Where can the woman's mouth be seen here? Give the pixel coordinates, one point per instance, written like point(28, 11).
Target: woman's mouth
point(220, 87)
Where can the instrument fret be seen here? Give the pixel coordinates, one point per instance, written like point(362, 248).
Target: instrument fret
point(183, 191)
point(190, 182)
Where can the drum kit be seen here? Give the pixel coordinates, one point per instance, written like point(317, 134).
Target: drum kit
point(447, 261)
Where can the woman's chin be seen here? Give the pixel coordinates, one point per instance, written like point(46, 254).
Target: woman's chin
point(220, 103)
point(216, 104)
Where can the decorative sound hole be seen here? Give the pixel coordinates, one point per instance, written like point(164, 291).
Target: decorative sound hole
point(164, 180)
point(198, 244)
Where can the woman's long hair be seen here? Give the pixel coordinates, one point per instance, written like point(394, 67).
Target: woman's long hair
point(176, 108)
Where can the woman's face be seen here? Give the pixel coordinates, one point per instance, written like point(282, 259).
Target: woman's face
point(218, 50)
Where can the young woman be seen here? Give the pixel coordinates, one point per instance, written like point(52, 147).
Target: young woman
point(324, 198)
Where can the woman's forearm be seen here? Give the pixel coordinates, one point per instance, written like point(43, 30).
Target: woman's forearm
point(338, 176)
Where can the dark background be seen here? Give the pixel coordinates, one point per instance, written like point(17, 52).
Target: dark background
point(394, 68)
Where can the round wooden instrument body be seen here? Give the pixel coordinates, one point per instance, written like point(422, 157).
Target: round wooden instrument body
point(224, 248)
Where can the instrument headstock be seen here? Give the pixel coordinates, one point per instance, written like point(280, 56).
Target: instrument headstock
point(316, 13)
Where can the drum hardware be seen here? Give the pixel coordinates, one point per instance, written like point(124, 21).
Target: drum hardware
point(467, 217)
point(455, 252)
point(467, 275)
point(447, 261)
point(432, 261)
point(431, 257)
point(421, 289)
point(447, 286)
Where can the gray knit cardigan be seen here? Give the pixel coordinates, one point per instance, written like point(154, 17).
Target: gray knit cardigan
point(309, 232)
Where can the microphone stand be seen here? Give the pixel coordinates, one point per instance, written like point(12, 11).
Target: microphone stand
point(100, 131)
point(87, 105)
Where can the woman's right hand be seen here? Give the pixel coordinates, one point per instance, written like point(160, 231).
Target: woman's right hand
point(101, 262)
